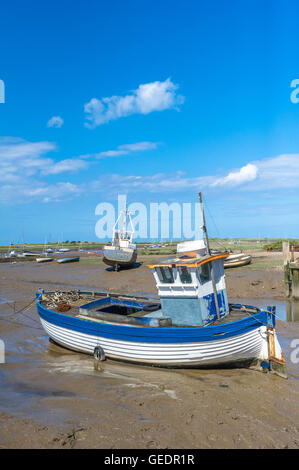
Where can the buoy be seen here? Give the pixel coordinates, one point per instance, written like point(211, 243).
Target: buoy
point(151, 307)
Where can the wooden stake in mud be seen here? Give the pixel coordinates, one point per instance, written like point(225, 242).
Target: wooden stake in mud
point(209, 254)
point(286, 266)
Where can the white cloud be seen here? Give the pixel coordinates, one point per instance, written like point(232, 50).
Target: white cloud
point(158, 183)
point(245, 174)
point(127, 149)
point(55, 121)
point(30, 190)
point(25, 166)
point(277, 173)
point(54, 192)
point(149, 97)
point(12, 148)
point(23, 163)
point(70, 165)
point(20, 159)
point(280, 172)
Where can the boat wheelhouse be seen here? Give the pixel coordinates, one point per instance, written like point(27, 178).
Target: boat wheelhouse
point(192, 287)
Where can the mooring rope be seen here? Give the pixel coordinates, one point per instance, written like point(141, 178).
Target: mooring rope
point(22, 312)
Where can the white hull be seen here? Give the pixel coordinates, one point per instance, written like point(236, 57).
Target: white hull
point(68, 260)
point(237, 260)
point(248, 346)
point(119, 256)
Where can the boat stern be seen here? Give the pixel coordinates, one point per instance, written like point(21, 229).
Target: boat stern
point(271, 356)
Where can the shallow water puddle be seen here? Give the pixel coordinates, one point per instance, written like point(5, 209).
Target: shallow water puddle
point(287, 311)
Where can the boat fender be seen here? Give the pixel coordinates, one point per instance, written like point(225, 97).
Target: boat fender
point(151, 307)
point(99, 356)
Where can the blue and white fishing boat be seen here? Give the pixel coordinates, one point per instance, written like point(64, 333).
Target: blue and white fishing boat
point(122, 252)
point(190, 324)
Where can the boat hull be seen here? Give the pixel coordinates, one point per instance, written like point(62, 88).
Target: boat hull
point(44, 260)
point(68, 260)
point(119, 257)
point(242, 341)
point(237, 262)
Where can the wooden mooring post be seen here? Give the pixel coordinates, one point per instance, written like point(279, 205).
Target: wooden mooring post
point(291, 271)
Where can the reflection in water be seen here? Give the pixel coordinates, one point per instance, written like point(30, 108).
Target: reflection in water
point(286, 311)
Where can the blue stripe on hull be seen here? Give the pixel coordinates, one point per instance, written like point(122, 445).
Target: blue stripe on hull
point(153, 335)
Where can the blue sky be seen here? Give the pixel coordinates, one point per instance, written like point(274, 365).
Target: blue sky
point(156, 100)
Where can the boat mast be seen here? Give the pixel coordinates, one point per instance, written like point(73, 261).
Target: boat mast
point(209, 254)
point(127, 221)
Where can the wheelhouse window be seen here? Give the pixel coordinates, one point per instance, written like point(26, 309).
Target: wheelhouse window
point(204, 273)
point(165, 275)
point(185, 275)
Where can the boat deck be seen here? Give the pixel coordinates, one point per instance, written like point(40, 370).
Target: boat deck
point(124, 309)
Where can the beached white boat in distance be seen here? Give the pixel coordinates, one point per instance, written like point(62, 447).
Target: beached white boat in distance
point(69, 259)
point(122, 252)
point(237, 260)
point(44, 259)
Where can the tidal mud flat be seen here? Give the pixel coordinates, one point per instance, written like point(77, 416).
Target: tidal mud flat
point(53, 398)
